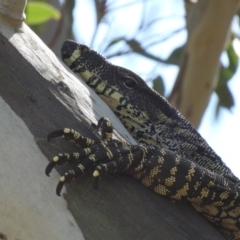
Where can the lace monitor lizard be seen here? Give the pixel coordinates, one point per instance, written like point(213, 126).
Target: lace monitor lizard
point(172, 159)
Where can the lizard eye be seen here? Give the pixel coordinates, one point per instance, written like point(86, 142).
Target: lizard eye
point(129, 83)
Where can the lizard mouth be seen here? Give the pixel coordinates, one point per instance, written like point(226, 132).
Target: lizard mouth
point(79, 59)
point(71, 56)
point(83, 60)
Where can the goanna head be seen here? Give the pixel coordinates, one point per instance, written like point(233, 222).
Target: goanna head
point(124, 91)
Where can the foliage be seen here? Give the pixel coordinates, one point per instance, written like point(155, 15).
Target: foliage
point(226, 73)
point(40, 12)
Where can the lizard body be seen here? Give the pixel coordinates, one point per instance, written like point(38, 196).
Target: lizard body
point(172, 158)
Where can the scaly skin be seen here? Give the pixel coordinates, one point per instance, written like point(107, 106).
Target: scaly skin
point(172, 159)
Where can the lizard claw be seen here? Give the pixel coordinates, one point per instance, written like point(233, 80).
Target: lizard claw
point(57, 160)
point(60, 186)
point(55, 134)
point(66, 178)
point(50, 167)
point(96, 177)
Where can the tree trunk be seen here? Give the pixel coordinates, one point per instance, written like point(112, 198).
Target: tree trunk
point(209, 22)
point(38, 94)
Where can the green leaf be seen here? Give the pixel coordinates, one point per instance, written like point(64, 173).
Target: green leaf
point(135, 46)
point(40, 12)
point(158, 85)
point(175, 56)
point(227, 73)
point(225, 96)
point(233, 58)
